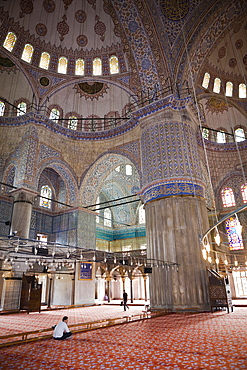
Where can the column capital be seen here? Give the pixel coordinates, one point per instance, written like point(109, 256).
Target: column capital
point(24, 195)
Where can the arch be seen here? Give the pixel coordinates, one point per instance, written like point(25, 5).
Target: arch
point(97, 174)
point(67, 176)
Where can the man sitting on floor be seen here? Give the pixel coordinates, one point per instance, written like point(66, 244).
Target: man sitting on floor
point(61, 329)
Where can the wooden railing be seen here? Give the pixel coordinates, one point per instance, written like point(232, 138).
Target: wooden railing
point(34, 335)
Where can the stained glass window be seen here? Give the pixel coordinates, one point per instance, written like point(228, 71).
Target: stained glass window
point(227, 196)
point(117, 169)
point(217, 83)
point(206, 79)
point(27, 53)
point(221, 137)
point(62, 65)
point(97, 67)
point(239, 134)
point(46, 193)
point(22, 108)
point(128, 169)
point(54, 115)
point(44, 60)
point(2, 108)
point(72, 123)
point(244, 192)
point(205, 133)
point(79, 67)
point(114, 68)
point(107, 217)
point(142, 219)
point(234, 233)
point(242, 91)
point(9, 42)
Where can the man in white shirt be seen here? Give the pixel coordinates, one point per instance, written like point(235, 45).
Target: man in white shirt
point(61, 329)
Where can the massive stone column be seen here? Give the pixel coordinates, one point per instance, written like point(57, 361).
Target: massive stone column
point(176, 215)
point(22, 211)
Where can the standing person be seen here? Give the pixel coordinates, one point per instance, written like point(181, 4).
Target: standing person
point(125, 298)
point(61, 330)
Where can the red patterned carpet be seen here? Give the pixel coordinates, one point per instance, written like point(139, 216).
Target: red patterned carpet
point(177, 341)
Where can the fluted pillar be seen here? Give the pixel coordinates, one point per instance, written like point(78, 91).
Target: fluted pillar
point(176, 215)
point(22, 211)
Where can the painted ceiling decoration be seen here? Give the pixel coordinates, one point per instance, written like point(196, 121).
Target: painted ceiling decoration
point(91, 90)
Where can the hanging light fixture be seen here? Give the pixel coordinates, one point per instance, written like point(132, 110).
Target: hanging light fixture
point(217, 237)
point(235, 261)
point(217, 261)
point(204, 253)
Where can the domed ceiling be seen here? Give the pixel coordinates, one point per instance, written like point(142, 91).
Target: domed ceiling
point(157, 43)
point(72, 24)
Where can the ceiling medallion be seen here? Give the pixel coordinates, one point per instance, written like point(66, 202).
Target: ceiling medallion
point(44, 81)
point(216, 105)
point(49, 6)
point(82, 40)
point(93, 3)
point(67, 3)
point(41, 29)
point(80, 16)
point(26, 7)
point(63, 27)
point(91, 90)
point(100, 28)
point(172, 12)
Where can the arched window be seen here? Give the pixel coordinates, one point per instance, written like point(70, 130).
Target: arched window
point(22, 108)
point(221, 137)
point(242, 91)
point(234, 233)
point(117, 169)
point(244, 192)
point(79, 67)
point(229, 88)
point(217, 83)
point(62, 65)
point(206, 80)
point(44, 60)
point(2, 108)
point(129, 169)
point(45, 192)
point(142, 218)
point(239, 134)
point(54, 115)
point(72, 122)
point(205, 133)
point(97, 67)
point(107, 217)
point(227, 196)
point(27, 53)
point(9, 41)
point(114, 68)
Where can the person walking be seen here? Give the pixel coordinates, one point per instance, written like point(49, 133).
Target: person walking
point(125, 299)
